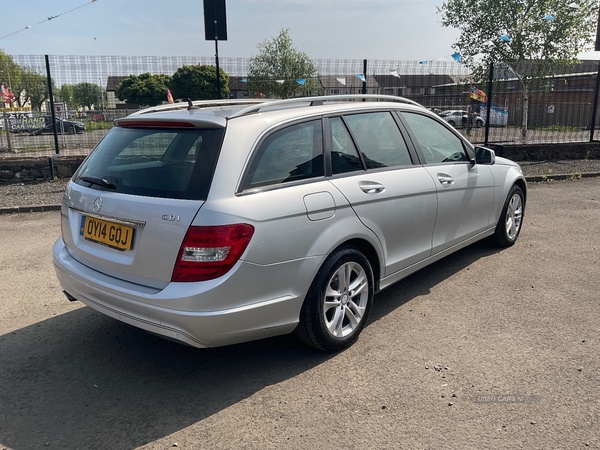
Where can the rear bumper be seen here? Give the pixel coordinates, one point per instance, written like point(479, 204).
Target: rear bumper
point(246, 317)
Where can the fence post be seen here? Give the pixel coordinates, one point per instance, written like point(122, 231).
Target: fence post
point(364, 84)
point(52, 104)
point(489, 104)
point(595, 104)
point(5, 119)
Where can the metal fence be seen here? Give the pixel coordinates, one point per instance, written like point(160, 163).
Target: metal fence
point(559, 104)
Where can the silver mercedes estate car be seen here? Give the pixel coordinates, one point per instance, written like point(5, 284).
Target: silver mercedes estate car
point(220, 222)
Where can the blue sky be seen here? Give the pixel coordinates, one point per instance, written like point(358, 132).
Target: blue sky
point(324, 29)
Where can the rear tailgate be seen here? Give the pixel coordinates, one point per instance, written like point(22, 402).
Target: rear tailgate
point(128, 207)
point(133, 238)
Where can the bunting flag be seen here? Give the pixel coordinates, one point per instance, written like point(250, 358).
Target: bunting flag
point(341, 80)
point(395, 73)
point(170, 97)
point(361, 77)
point(549, 17)
point(505, 38)
point(478, 94)
point(300, 81)
point(456, 57)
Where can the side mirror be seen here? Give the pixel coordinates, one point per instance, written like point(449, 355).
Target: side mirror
point(484, 156)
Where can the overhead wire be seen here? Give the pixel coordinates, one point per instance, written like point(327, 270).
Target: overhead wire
point(49, 18)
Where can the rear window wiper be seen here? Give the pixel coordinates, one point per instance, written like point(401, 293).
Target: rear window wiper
point(98, 181)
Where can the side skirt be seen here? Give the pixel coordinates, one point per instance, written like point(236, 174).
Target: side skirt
point(395, 277)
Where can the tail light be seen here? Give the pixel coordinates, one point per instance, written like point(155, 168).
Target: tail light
point(210, 252)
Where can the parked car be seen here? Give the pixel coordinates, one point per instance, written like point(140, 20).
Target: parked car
point(63, 126)
point(460, 118)
point(42, 124)
point(231, 221)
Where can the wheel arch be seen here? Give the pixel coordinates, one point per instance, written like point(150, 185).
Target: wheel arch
point(523, 185)
point(367, 249)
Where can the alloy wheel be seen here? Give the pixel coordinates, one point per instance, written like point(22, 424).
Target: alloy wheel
point(346, 299)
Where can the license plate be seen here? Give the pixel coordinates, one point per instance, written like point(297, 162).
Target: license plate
point(112, 234)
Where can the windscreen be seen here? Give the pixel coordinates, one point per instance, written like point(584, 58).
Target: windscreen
point(165, 163)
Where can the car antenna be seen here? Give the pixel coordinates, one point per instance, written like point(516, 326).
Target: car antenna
point(191, 105)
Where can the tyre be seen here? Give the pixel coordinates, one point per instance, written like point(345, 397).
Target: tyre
point(338, 302)
point(479, 123)
point(511, 219)
point(451, 123)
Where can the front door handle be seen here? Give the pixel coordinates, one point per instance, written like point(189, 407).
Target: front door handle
point(370, 187)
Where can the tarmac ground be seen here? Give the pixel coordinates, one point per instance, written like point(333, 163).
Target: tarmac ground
point(485, 349)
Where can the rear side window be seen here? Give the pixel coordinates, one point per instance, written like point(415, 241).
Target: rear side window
point(379, 139)
point(290, 154)
point(161, 163)
point(344, 156)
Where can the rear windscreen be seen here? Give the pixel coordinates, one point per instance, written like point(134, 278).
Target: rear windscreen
point(166, 163)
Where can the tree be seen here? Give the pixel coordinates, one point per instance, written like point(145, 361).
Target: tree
point(65, 93)
point(31, 88)
point(87, 94)
point(199, 83)
point(10, 72)
point(531, 36)
point(279, 70)
point(145, 89)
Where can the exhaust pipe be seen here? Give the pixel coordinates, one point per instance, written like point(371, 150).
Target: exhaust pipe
point(69, 297)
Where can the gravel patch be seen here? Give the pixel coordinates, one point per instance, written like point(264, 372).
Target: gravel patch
point(50, 192)
point(46, 193)
point(553, 168)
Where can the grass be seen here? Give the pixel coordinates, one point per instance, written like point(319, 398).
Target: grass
point(35, 148)
point(92, 125)
point(559, 128)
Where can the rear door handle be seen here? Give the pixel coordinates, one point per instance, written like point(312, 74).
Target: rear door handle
point(370, 187)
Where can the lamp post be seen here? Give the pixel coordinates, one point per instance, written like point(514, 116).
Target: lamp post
point(215, 28)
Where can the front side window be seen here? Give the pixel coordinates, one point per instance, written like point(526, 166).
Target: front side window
point(290, 154)
point(438, 144)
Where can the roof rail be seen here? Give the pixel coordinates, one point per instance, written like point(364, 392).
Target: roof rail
point(319, 100)
point(197, 104)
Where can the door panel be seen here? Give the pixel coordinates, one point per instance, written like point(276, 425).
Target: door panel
point(399, 206)
point(465, 190)
point(391, 196)
point(465, 199)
